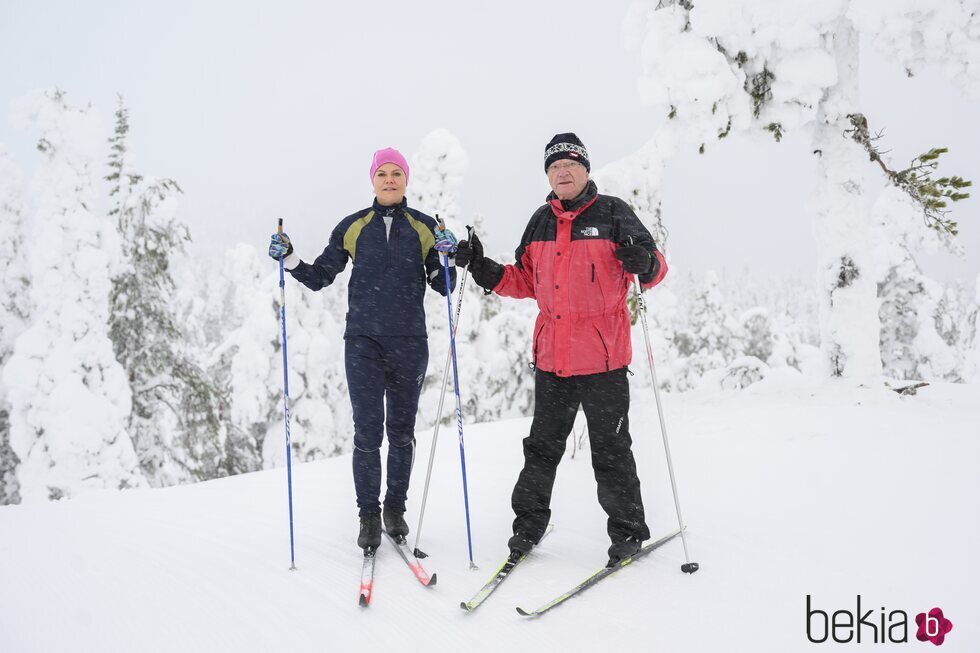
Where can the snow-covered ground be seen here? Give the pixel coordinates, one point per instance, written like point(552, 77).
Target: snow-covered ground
point(788, 490)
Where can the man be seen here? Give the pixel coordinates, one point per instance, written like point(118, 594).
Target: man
point(576, 258)
point(393, 252)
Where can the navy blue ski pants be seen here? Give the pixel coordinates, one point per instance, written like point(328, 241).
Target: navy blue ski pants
point(384, 372)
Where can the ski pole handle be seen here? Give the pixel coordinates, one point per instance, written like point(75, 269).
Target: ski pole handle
point(279, 230)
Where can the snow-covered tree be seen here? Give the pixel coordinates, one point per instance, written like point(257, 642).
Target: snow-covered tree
point(14, 308)
point(715, 67)
point(243, 300)
point(438, 168)
point(320, 411)
point(69, 396)
point(974, 328)
point(920, 320)
point(637, 180)
point(494, 382)
point(175, 423)
point(494, 347)
point(709, 340)
point(757, 332)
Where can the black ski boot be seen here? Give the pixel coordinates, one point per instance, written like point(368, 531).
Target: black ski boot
point(395, 523)
point(623, 549)
point(370, 535)
point(520, 544)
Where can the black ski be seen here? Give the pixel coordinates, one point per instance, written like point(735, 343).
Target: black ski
point(497, 578)
point(406, 553)
point(594, 579)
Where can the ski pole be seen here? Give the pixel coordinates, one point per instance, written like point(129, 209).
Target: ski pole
point(285, 406)
point(459, 411)
point(442, 396)
point(688, 567)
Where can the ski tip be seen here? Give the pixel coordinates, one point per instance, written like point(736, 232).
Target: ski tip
point(463, 606)
point(432, 580)
point(524, 613)
point(363, 601)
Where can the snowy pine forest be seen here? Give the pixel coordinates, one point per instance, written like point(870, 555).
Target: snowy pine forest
point(128, 363)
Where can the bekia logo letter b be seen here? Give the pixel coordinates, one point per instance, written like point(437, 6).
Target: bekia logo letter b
point(932, 626)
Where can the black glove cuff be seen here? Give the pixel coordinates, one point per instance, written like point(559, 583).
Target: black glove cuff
point(488, 274)
point(647, 277)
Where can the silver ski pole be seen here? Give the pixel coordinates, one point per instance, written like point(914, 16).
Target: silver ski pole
point(688, 567)
point(442, 396)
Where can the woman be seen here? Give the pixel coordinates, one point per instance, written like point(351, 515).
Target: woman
point(394, 252)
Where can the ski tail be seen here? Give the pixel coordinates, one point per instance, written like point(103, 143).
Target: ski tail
point(401, 545)
point(595, 578)
point(367, 578)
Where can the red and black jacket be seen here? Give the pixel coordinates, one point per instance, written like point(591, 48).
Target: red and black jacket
point(566, 262)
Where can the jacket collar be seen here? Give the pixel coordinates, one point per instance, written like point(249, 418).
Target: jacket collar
point(394, 209)
point(571, 208)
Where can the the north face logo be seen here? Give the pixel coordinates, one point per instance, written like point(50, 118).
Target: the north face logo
point(590, 231)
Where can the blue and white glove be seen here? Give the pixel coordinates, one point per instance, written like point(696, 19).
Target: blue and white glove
point(280, 247)
point(445, 240)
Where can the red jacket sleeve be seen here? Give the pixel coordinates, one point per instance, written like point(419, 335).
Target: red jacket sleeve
point(518, 279)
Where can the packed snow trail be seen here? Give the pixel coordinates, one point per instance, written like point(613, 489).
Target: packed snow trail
point(788, 490)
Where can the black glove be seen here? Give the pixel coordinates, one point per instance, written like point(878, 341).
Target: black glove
point(469, 252)
point(486, 272)
point(636, 258)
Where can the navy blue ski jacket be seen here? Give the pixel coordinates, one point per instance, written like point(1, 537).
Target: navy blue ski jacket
point(389, 270)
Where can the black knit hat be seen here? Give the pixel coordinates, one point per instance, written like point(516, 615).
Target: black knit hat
point(566, 146)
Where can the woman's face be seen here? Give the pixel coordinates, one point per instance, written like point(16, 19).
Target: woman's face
point(389, 184)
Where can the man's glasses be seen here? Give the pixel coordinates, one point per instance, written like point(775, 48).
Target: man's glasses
point(558, 166)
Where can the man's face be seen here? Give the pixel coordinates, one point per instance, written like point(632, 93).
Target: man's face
point(389, 184)
point(567, 178)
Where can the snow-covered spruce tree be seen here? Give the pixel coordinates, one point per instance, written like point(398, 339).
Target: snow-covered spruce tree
point(492, 340)
point(637, 179)
point(68, 394)
point(438, 168)
point(175, 424)
point(14, 308)
point(757, 333)
point(320, 411)
point(494, 346)
point(241, 312)
point(714, 66)
point(709, 340)
point(974, 329)
point(919, 337)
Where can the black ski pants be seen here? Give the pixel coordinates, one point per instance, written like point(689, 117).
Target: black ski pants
point(605, 398)
point(384, 370)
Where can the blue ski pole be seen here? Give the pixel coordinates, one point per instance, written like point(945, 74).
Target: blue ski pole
point(459, 411)
point(460, 292)
point(285, 406)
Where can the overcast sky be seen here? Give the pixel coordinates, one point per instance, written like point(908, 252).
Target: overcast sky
point(263, 110)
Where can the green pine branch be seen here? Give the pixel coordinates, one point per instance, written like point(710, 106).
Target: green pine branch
point(917, 181)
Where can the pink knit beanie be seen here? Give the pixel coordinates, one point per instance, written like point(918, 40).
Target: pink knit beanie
point(389, 155)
